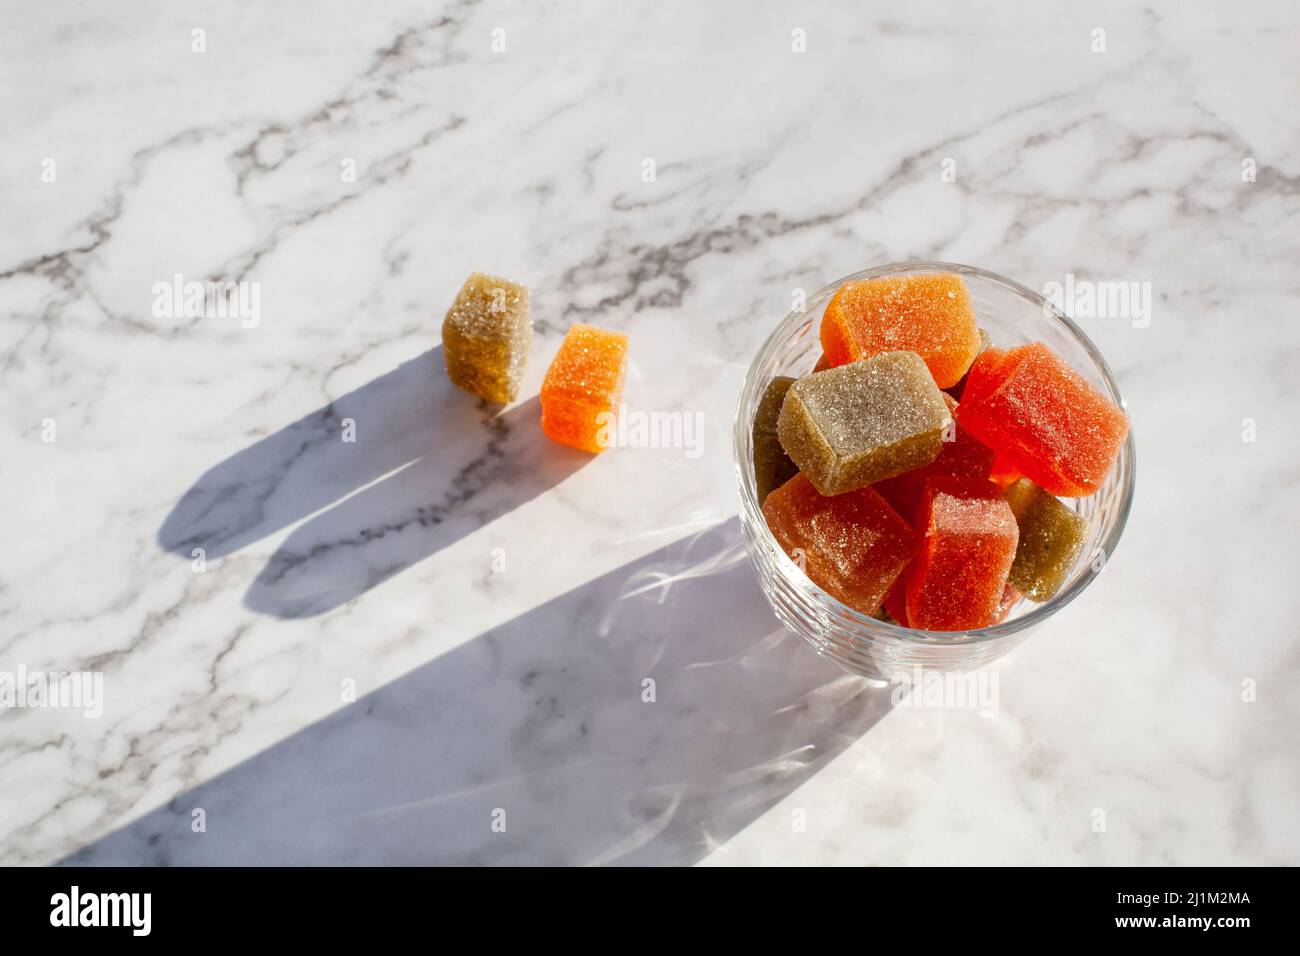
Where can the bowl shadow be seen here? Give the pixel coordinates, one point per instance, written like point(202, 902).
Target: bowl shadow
point(644, 717)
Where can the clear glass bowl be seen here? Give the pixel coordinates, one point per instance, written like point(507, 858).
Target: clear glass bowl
point(1012, 315)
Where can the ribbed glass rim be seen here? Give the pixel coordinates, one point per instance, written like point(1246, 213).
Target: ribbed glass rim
point(742, 438)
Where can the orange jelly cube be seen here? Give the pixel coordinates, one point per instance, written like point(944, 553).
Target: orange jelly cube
point(1044, 420)
point(959, 579)
point(583, 387)
point(853, 546)
point(929, 314)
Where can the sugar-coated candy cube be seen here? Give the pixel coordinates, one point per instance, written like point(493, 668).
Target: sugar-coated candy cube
point(853, 546)
point(985, 343)
point(986, 373)
point(962, 455)
point(1051, 537)
point(1010, 598)
point(895, 605)
point(860, 423)
point(1002, 472)
point(959, 576)
point(930, 314)
point(1049, 423)
point(772, 466)
point(486, 335)
point(583, 387)
point(895, 601)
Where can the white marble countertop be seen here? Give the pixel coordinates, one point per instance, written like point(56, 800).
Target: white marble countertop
point(496, 601)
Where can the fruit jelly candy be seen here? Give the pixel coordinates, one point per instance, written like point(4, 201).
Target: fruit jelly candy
point(1010, 598)
point(964, 456)
point(985, 343)
point(894, 608)
point(986, 373)
point(853, 546)
point(959, 576)
point(583, 387)
point(929, 314)
point(769, 406)
point(486, 335)
point(1002, 472)
point(772, 466)
point(895, 601)
point(1046, 421)
point(1051, 537)
point(822, 364)
point(860, 423)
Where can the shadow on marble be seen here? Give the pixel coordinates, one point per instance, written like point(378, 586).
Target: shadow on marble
point(306, 465)
point(427, 465)
point(546, 725)
point(408, 516)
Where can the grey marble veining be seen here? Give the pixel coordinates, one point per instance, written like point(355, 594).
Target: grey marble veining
point(430, 644)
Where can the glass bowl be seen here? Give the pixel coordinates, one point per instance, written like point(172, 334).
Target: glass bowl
point(1012, 315)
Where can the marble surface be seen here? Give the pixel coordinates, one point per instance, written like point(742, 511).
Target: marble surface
point(497, 602)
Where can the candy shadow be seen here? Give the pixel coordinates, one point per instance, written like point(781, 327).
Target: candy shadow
point(306, 465)
point(476, 476)
point(644, 717)
point(422, 462)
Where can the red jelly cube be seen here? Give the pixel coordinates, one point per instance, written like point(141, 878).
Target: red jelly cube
point(958, 579)
point(1010, 598)
point(1002, 472)
point(896, 599)
point(965, 456)
point(1044, 419)
point(987, 372)
point(853, 546)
